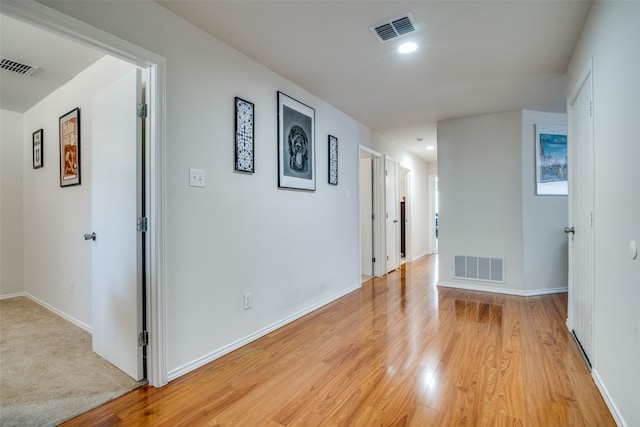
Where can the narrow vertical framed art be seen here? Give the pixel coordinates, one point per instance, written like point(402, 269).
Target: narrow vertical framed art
point(333, 160)
point(69, 125)
point(245, 136)
point(38, 152)
point(296, 144)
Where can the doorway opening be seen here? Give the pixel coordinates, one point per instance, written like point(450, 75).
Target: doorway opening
point(55, 22)
point(404, 212)
point(369, 163)
point(433, 214)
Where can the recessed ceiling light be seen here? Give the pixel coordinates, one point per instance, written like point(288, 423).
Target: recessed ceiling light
point(408, 47)
point(430, 147)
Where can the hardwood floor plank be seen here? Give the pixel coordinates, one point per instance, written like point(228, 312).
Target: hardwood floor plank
point(400, 351)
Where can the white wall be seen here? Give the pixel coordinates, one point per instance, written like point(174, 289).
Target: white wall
point(480, 206)
point(611, 37)
point(12, 141)
point(293, 250)
point(488, 206)
point(56, 218)
point(543, 217)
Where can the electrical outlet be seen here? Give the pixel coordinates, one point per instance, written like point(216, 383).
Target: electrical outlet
point(248, 300)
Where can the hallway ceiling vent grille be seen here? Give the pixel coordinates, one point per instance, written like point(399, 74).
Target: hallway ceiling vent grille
point(483, 269)
point(394, 28)
point(16, 67)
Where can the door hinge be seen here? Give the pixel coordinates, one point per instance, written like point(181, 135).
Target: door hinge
point(373, 259)
point(373, 216)
point(590, 108)
point(143, 224)
point(143, 338)
point(142, 111)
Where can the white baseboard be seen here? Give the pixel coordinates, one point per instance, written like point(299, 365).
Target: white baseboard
point(201, 361)
point(14, 295)
point(471, 287)
point(417, 257)
point(615, 412)
point(65, 316)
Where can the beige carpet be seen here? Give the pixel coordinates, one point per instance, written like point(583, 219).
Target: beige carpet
point(48, 372)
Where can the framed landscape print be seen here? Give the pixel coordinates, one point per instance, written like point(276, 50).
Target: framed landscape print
point(245, 135)
point(296, 144)
point(38, 152)
point(333, 160)
point(551, 160)
point(69, 125)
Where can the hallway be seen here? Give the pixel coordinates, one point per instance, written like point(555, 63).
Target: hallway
point(400, 351)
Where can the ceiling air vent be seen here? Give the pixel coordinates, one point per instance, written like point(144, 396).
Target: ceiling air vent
point(394, 28)
point(16, 67)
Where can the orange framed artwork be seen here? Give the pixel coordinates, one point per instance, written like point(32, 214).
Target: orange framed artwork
point(70, 148)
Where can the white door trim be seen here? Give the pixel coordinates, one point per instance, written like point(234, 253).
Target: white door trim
point(396, 205)
point(48, 19)
point(408, 256)
point(378, 209)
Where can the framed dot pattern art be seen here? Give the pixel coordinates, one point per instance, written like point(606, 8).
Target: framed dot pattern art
point(245, 135)
point(333, 160)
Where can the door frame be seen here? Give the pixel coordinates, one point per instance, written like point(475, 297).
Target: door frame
point(378, 203)
point(396, 206)
point(408, 255)
point(585, 77)
point(51, 20)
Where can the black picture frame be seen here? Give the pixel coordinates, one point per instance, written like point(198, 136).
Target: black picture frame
point(37, 140)
point(244, 153)
point(296, 144)
point(333, 159)
point(69, 134)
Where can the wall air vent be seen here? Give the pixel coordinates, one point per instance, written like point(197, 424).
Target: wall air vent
point(478, 268)
point(394, 28)
point(16, 67)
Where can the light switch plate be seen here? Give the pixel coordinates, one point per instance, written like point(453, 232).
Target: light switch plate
point(197, 178)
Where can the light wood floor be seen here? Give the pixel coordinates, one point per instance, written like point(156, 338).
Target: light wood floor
point(398, 352)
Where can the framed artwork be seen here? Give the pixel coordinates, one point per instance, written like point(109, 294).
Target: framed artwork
point(551, 160)
point(70, 148)
point(245, 135)
point(38, 152)
point(333, 160)
point(296, 144)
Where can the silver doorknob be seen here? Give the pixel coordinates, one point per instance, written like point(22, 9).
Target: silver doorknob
point(91, 236)
point(569, 230)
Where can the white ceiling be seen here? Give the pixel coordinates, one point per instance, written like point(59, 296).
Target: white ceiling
point(474, 57)
point(58, 61)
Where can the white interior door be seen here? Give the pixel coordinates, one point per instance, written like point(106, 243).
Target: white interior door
point(581, 214)
point(391, 207)
point(366, 214)
point(116, 203)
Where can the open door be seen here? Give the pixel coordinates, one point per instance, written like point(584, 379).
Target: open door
point(581, 215)
point(392, 207)
point(116, 205)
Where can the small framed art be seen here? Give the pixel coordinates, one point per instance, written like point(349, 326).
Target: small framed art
point(333, 160)
point(69, 125)
point(245, 135)
point(38, 152)
point(296, 144)
point(551, 160)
